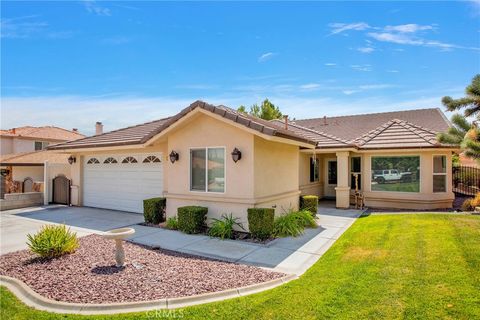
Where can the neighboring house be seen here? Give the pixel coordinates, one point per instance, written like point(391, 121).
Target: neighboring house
point(25, 172)
point(193, 158)
point(28, 139)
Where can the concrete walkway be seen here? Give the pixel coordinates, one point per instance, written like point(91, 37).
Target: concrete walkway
point(289, 255)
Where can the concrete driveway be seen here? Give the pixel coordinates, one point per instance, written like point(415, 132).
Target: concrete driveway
point(16, 224)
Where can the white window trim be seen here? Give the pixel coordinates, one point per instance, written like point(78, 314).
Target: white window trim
point(440, 174)
point(398, 156)
point(206, 169)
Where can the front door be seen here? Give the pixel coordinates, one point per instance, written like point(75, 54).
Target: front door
point(330, 177)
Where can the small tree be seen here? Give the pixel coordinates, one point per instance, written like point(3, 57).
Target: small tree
point(266, 110)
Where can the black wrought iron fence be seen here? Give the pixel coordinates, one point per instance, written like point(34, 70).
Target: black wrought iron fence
point(466, 180)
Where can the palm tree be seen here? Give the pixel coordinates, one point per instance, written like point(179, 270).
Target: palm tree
point(471, 102)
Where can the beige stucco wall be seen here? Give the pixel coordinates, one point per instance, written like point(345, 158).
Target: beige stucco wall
point(23, 145)
point(6, 145)
point(34, 172)
point(266, 176)
point(202, 131)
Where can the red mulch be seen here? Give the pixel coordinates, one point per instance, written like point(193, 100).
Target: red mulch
point(89, 275)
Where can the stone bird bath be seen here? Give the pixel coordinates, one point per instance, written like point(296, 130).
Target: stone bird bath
point(119, 235)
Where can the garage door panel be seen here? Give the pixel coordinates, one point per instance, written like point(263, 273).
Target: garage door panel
point(122, 186)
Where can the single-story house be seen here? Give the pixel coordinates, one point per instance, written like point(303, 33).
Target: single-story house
point(229, 161)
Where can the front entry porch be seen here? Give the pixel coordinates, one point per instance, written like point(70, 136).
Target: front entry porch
point(331, 176)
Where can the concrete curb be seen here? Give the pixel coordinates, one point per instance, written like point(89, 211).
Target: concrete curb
point(37, 301)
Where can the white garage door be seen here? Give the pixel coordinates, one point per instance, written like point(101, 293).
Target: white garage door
point(122, 182)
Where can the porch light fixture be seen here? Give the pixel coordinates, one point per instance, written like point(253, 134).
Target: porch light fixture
point(173, 156)
point(72, 159)
point(236, 155)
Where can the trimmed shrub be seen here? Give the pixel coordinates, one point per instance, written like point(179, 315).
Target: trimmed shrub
point(53, 241)
point(305, 218)
point(191, 219)
point(260, 222)
point(223, 228)
point(287, 225)
point(172, 223)
point(154, 210)
point(309, 203)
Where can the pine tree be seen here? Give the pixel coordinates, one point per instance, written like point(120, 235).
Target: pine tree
point(266, 110)
point(471, 102)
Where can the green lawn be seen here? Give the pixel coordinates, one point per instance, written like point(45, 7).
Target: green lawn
point(397, 186)
point(383, 267)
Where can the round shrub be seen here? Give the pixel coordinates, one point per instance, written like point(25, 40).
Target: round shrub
point(260, 222)
point(192, 219)
point(53, 241)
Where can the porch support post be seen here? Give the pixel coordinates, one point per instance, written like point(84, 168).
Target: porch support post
point(46, 190)
point(342, 189)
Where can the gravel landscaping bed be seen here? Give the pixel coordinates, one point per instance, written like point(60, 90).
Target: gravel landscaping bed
point(89, 275)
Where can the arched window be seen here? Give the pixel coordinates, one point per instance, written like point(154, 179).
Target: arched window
point(93, 161)
point(129, 160)
point(110, 160)
point(151, 159)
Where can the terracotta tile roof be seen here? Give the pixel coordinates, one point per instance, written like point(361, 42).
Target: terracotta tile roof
point(34, 158)
point(351, 127)
point(143, 132)
point(397, 134)
point(45, 132)
point(323, 140)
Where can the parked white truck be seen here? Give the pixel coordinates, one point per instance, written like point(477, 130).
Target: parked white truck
point(382, 176)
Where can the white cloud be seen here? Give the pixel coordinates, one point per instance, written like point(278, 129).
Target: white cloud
point(337, 28)
point(365, 49)
point(310, 86)
point(409, 28)
point(330, 64)
point(22, 27)
point(361, 67)
point(266, 56)
point(93, 7)
point(393, 71)
point(349, 92)
point(403, 34)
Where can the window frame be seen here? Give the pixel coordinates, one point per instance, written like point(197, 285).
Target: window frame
point(312, 161)
point(352, 187)
point(420, 161)
point(44, 145)
point(206, 169)
point(441, 173)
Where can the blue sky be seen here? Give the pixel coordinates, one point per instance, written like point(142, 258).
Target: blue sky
point(76, 62)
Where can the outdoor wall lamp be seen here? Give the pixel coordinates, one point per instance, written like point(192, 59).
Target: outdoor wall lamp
point(173, 156)
point(72, 159)
point(236, 155)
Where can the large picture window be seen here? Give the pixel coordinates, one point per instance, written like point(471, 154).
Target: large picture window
point(207, 169)
point(396, 174)
point(439, 174)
